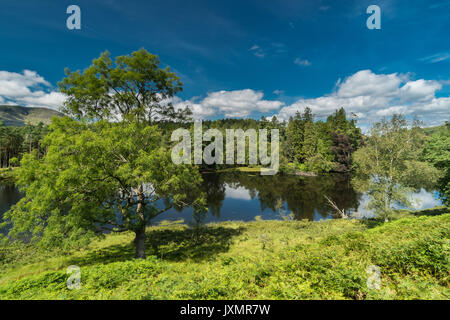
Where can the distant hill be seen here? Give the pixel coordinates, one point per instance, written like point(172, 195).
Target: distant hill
point(17, 116)
point(432, 130)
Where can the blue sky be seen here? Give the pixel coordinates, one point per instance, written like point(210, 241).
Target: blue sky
point(244, 58)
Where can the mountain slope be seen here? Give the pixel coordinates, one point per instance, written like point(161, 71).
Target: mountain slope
point(18, 116)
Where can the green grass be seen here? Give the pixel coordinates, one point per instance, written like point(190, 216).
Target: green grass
point(252, 260)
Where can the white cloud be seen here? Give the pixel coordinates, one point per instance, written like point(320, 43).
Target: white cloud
point(28, 89)
point(237, 192)
point(423, 200)
point(237, 103)
point(51, 100)
point(302, 62)
point(365, 95)
point(371, 96)
point(419, 90)
point(199, 111)
point(419, 201)
point(391, 110)
point(366, 83)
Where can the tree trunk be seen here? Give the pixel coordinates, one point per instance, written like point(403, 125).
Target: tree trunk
point(139, 242)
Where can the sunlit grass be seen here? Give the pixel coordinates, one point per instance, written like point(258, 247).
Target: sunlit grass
point(250, 260)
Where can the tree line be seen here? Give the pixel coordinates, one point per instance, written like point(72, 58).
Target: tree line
point(321, 146)
point(15, 141)
point(306, 145)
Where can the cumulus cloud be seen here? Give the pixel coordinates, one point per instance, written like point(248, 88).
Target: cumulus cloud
point(366, 83)
point(236, 103)
point(391, 110)
point(365, 95)
point(419, 90)
point(28, 89)
point(371, 96)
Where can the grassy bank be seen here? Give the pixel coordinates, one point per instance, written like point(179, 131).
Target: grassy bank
point(253, 260)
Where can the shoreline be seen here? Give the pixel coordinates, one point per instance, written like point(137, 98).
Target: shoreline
point(265, 259)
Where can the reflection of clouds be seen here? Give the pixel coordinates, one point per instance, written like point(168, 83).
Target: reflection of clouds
point(423, 200)
point(362, 211)
point(419, 201)
point(237, 193)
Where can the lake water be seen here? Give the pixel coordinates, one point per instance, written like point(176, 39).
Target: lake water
point(244, 196)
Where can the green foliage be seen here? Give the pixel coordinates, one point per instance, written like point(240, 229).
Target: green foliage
point(7, 175)
point(15, 141)
point(253, 260)
point(134, 88)
point(387, 167)
point(103, 176)
point(312, 144)
point(98, 176)
point(437, 152)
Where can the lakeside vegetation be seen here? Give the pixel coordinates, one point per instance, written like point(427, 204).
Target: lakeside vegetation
point(254, 260)
point(94, 181)
point(17, 141)
point(7, 175)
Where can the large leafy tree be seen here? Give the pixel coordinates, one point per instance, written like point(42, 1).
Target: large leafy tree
point(387, 167)
point(100, 175)
point(134, 88)
point(96, 178)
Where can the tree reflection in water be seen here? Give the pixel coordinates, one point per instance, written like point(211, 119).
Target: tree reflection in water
point(303, 196)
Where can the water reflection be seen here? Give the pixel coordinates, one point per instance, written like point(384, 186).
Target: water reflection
point(303, 196)
point(9, 195)
point(243, 196)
